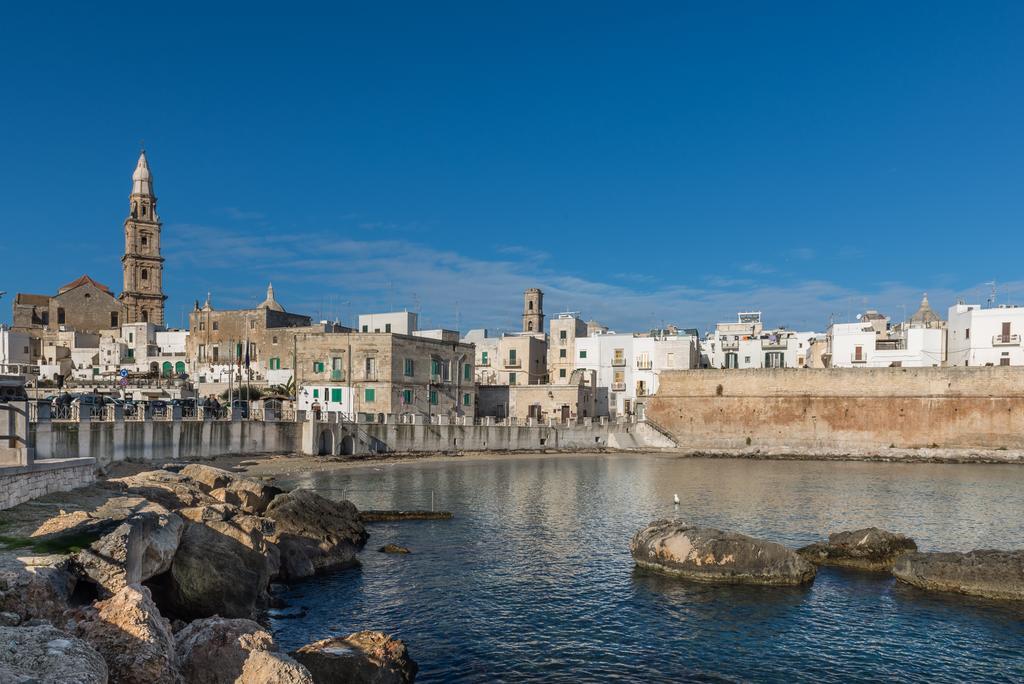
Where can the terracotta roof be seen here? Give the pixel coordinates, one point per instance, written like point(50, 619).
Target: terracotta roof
point(82, 281)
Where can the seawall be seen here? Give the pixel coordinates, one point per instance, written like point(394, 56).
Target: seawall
point(860, 411)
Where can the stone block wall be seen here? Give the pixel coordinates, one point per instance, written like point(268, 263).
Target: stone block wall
point(23, 483)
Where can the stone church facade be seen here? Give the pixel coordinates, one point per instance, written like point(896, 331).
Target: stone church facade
point(85, 305)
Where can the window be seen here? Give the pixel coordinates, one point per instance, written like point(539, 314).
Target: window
point(483, 358)
point(275, 363)
point(583, 354)
point(561, 353)
point(131, 337)
point(145, 240)
point(511, 356)
point(318, 366)
point(366, 328)
point(371, 367)
point(336, 363)
point(387, 327)
point(562, 335)
point(858, 353)
point(746, 359)
point(316, 394)
point(433, 397)
point(467, 371)
point(407, 397)
point(113, 319)
point(274, 340)
point(410, 367)
point(145, 274)
point(216, 325)
point(466, 400)
point(202, 326)
point(216, 353)
point(435, 367)
point(529, 326)
point(511, 378)
point(369, 395)
point(202, 352)
point(561, 372)
point(252, 325)
point(336, 395)
point(60, 316)
point(531, 306)
point(967, 333)
point(670, 360)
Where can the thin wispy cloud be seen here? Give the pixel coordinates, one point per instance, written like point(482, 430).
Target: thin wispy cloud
point(318, 274)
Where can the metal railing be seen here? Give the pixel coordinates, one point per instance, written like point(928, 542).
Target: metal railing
point(64, 412)
point(858, 359)
point(619, 361)
point(513, 363)
point(1003, 340)
point(618, 387)
point(644, 365)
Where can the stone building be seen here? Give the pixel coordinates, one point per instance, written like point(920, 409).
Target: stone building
point(218, 340)
point(143, 295)
point(83, 305)
point(565, 330)
point(570, 400)
point(386, 373)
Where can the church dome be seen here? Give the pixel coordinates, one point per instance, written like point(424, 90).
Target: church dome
point(925, 316)
point(270, 303)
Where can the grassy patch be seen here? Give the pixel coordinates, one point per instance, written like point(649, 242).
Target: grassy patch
point(62, 543)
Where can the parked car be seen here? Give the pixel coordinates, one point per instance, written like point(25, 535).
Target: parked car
point(158, 408)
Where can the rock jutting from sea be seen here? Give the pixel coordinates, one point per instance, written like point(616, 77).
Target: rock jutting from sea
point(708, 555)
point(988, 573)
point(865, 549)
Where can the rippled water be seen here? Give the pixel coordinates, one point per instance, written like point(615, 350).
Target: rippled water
point(533, 580)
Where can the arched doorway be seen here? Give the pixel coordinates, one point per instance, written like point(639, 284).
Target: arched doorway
point(348, 445)
point(326, 443)
point(179, 368)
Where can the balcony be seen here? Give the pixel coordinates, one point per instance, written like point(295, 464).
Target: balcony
point(619, 361)
point(730, 344)
point(1005, 340)
point(513, 363)
point(644, 365)
point(483, 362)
point(618, 387)
point(858, 359)
point(337, 375)
point(778, 343)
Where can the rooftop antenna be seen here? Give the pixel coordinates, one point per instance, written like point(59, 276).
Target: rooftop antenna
point(456, 316)
point(992, 293)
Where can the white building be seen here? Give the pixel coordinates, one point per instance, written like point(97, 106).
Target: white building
point(746, 344)
point(985, 336)
point(331, 397)
point(873, 342)
point(398, 322)
point(15, 348)
point(628, 366)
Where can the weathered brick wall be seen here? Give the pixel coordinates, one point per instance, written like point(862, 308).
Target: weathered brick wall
point(845, 409)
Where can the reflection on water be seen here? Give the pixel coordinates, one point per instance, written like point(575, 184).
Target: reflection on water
point(532, 580)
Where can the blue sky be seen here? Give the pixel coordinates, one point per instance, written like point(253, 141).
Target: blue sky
point(642, 164)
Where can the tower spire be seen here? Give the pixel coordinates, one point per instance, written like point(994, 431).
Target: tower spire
point(143, 297)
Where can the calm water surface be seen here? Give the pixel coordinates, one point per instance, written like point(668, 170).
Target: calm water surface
point(532, 580)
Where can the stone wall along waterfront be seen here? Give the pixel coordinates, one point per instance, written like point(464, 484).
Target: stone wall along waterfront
point(858, 410)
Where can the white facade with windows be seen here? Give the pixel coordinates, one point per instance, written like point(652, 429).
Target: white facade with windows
point(397, 322)
point(857, 345)
point(746, 344)
point(628, 366)
point(985, 336)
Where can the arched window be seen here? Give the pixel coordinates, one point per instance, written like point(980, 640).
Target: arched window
point(145, 274)
point(143, 210)
point(529, 326)
point(145, 316)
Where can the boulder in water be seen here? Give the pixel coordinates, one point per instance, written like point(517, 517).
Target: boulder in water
point(214, 650)
point(866, 549)
point(267, 667)
point(315, 534)
point(710, 555)
point(989, 573)
point(359, 658)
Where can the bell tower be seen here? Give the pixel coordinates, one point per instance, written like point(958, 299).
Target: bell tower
point(143, 295)
point(533, 311)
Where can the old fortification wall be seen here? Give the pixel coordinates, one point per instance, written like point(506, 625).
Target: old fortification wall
point(857, 410)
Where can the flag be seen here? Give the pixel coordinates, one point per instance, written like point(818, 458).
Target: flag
point(247, 356)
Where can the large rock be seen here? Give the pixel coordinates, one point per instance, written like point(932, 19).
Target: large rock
point(315, 534)
point(220, 568)
point(170, 490)
point(252, 496)
point(710, 555)
point(265, 667)
point(989, 573)
point(215, 650)
point(134, 640)
point(867, 549)
point(359, 658)
point(46, 655)
point(141, 547)
point(35, 592)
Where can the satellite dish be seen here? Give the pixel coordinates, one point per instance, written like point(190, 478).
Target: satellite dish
point(858, 317)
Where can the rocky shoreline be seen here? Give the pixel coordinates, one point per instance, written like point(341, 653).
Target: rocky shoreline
point(172, 581)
